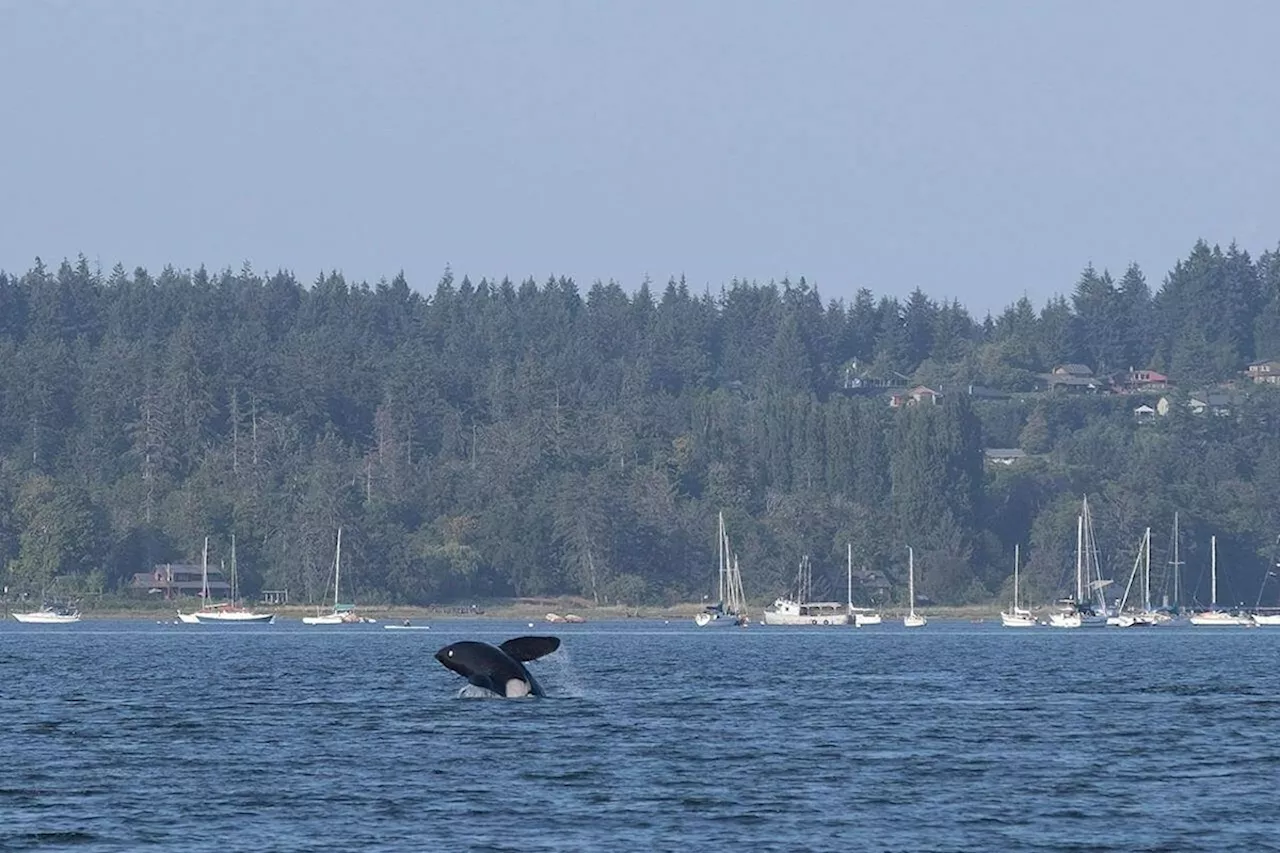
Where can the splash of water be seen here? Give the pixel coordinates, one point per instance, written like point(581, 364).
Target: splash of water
point(559, 677)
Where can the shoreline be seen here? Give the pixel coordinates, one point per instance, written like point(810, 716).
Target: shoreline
point(522, 610)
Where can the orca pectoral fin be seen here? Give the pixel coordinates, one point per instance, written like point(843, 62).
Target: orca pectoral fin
point(525, 649)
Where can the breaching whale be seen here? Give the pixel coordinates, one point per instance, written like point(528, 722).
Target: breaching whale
point(500, 669)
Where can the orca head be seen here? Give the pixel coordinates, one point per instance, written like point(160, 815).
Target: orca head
point(500, 670)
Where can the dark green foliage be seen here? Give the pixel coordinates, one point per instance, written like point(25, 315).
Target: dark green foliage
point(499, 439)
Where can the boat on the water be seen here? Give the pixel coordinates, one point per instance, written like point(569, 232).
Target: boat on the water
point(231, 612)
point(1084, 611)
point(912, 619)
point(342, 614)
point(1017, 617)
point(730, 609)
point(49, 615)
point(1213, 617)
point(859, 617)
point(205, 607)
point(801, 610)
point(1145, 616)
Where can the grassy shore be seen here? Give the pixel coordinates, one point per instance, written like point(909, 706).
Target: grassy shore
point(521, 609)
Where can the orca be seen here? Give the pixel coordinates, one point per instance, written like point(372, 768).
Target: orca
point(499, 669)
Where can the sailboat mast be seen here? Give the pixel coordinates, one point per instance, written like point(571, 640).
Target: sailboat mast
point(1177, 567)
point(724, 558)
point(337, 568)
point(911, 580)
point(848, 579)
point(234, 587)
point(1015, 577)
point(1080, 558)
point(1213, 572)
point(1146, 574)
point(204, 573)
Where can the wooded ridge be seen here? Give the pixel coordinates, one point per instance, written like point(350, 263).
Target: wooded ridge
point(497, 439)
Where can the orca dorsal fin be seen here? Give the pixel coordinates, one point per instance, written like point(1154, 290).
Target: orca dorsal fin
point(525, 649)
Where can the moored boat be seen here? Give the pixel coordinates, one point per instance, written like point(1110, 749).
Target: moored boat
point(231, 612)
point(1017, 617)
point(912, 619)
point(1080, 612)
point(1213, 617)
point(801, 610)
point(342, 614)
point(49, 615)
point(730, 609)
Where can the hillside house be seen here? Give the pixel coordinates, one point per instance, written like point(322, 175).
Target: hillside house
point(1214, 403)
point(917, 395)
point(1073, 378)
point(1265, 372)
point(1144, 380)
point(179, 580)
point(1003, 455)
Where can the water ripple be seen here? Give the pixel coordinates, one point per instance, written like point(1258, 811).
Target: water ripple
point(958, 738)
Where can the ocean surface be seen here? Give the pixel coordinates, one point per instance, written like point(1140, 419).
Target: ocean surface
point(956, 737)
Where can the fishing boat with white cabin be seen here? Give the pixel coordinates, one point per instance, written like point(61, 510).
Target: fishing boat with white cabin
point(801, 610)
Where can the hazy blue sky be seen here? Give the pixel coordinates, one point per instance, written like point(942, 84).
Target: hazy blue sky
point(978, 150)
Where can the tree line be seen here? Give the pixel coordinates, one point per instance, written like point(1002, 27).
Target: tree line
point(495, 439)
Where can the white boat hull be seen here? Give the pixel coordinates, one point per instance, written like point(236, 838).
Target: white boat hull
point(862, 620)
point(718, 620)
point(1017, 620)
point(1076, 620)
point(235, 618)
point(1220, 619)
point(1131, 620)
point(327, 619)
point(1269, 619)
point(188, 618)
point(914, 620)
point(783, 617)
point(47, 617)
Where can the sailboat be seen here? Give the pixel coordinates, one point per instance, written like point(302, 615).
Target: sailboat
point(1018, 617)
point(1145, 617)
point(1080, 613)
point(912, 619)
point(342, 614)
point(231, 613)
point(1272, 618)
point(730, 609)
point(1213, 617)
point(1171, 610)
point(860, 617)
point(205, 606)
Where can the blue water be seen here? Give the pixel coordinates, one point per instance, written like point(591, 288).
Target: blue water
point(956, 737)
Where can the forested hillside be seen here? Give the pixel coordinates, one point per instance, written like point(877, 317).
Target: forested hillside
point(495, 439)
